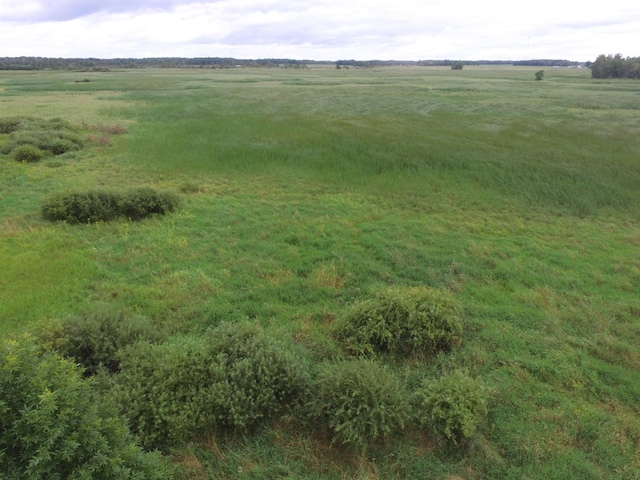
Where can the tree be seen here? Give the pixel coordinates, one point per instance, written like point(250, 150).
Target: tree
point(614, 66)
point(457, 66)
point(540, 75)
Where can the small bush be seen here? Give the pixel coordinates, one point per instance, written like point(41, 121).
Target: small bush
point(163, 389)
point(141, 202)
point(27, 153)
point(452, 407)
point(86, 207)
point(260, 376)
point(58, 146)
point(95, 339)
point(53, 424)
point(401, 321)
point(359, 402)
point(97, 206)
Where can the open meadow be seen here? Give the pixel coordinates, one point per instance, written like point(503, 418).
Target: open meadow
point(305, 191)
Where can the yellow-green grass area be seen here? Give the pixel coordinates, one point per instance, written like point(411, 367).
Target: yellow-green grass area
point(302, 191)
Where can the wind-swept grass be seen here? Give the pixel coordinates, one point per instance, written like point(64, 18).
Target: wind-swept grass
point(303, 191)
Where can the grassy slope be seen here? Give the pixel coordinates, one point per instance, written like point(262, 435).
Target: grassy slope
point(305, 189)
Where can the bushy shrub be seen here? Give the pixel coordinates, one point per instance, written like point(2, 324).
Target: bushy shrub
point(164, 390)
point(141, 202)
point(452, 407)
point(261, 376)
point(54, 425)
point(401, 321)
point(96, 206)
point(359, 402)
point(82, 207)
point(27, 153)
point(94, 339)
point(58, 146)
point(232, 378)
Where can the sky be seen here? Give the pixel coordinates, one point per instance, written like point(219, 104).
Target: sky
point(321, 29)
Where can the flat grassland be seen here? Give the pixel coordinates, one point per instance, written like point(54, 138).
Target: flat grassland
point(303, 190)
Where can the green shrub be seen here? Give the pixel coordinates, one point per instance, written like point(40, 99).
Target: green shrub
point(58, 146)
point(95, 339)
point(232, 378)
point(359, 402)
point(260, 376)
point(54, 425)
point(163, 389)
point(27, 153)
point(452, 407)
point(402, 321)
point(96, 206)
point(85, 207)
point(141, 202)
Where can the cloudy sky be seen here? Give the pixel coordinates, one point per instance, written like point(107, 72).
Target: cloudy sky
point(321, 29)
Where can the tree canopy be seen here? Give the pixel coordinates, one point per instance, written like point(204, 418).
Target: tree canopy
point(614, 66)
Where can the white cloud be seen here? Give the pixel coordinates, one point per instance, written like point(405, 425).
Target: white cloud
point(323, 29)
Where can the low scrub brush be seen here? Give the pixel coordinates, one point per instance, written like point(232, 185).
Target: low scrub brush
point(401, 321)
point(359, 402)
point(101, 206)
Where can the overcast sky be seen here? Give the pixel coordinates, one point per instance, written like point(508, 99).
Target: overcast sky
point(321, 29)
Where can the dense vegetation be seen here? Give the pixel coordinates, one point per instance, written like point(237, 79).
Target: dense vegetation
point(614, 66)
point(372, 273)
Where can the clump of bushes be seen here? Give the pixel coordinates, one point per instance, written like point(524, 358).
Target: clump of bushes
point(452, 407)
point(95, 339)
point(51, 137)
point(359, 402)
point(53, 424)
point(401, 321)
point(230, 379)
point(97, 205)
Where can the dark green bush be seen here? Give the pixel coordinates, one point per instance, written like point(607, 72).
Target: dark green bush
point(141, 202)
point(85, 207)
point(27, 153)
point(165, 390)
point(359, 402)
point(54, 425)
point(96, 206)
point(232, 378)
point(94, 339)
point(401, 321)
point(452, 407)
point(58, 146)
point(260, 376)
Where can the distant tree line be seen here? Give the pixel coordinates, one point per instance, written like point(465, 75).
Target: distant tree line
point(614, 66)
point(100, 64)
point(546, 63)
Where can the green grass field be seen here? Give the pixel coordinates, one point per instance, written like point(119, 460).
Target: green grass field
point(304, 190)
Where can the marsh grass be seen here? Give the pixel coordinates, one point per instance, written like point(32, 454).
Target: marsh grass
point(304, 191)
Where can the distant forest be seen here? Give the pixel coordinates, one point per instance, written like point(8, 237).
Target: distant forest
point(97, 64)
